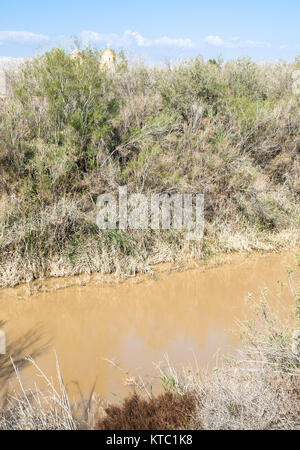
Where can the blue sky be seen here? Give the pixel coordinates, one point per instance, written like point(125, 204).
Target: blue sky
point(156, 30)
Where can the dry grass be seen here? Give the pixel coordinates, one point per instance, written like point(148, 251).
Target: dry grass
point(47, 407)
point(243, 398)
point(33, 409)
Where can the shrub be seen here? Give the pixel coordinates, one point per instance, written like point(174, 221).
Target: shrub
point(167, 411)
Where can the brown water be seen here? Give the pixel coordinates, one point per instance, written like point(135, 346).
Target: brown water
point(189, 314)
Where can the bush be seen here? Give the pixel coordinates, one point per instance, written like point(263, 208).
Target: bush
point(168, 411)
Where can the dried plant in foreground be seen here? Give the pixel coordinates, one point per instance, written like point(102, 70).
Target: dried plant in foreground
point(167, 411)
point(33, 409)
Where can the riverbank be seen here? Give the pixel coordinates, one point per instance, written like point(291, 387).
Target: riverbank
point(72, 131)
point(153, 272)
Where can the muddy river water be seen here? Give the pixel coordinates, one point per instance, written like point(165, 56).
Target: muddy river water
point(187, 315)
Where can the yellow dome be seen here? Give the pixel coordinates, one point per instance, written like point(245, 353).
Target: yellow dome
point(108, 51)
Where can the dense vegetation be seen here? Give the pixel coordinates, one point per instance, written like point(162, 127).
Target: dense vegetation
point(71, 130)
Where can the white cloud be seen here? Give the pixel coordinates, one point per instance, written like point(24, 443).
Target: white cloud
point(257, 44)
point(214, 40)
point(173, 41)
point(22, 37)
point(137, 38)
point(129, 38)
point(235, 42)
